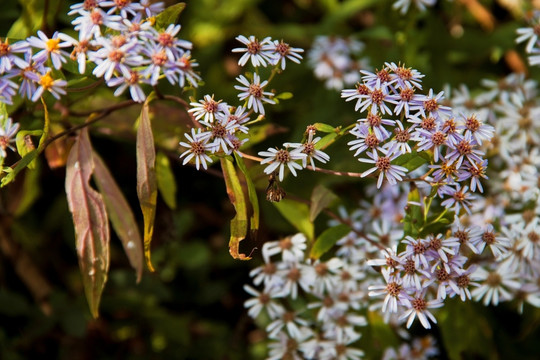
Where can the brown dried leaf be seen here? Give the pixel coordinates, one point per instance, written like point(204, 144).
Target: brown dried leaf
point(90, 220)
point(120, 214)
point(146, 179)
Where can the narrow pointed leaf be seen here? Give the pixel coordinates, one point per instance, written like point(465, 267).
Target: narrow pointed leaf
point(321, 198)
point(327, 239)
point(120, 214)
point(239, 224)
point(413, 220)
point(165, 180)
point(146, 179)
point(254, 200)
point(90, 220)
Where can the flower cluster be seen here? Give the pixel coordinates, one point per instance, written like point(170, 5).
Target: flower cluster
point(336, 60)
point(117, 38)
point(223, 128)
point(424, 125)
point(324, 323)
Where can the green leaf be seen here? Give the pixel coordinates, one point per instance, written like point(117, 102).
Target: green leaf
point(297, 214)
point(327, 239)
point(326, 141)
point(169, 16)
point(414, 219)
point(239, 224)
point(165, 180)
point(252, 193)
point(321, 198)
point(90, 220)
point(412, 161)
point(25, 145)
point(30, 192)
point(324, 128)
point(120, 214)
point(146, 178)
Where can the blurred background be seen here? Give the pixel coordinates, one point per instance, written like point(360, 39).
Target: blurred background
point(192, 306)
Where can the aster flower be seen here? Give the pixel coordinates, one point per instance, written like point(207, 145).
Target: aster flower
point(280, 158)
point(310, 150)
point(464, 149)
point(479, 131)
point(218, 132)
point(181, 70)
point(125, 7)
point(51, 47)
point(263, 300)
point(117, 53)
point(393, 290)
point(495, 285)
point(365, 140)
point(475, 173)
point(198, 149)
point(419, 308)
point(459, 197)
point(8, 131)
point(8, 55)
point(376, 124)
point(290, 321)
point(254, 93)
point(400, 141)
point(260, 52)
point(375, 100)
point(497, 243)
point(430, 105)
point(283, 51)
point(89, 23)
point(405, 77)
point(530, 33)
point(392, 173)
point(403, 5)
point(207, 108)
point(8, 89)
point(133, 82)
point(151, 8)
point(173, 46)
point(47, 83)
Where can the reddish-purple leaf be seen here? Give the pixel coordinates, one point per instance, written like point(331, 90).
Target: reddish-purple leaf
point(90, 220)
point(120, 214)
point(146, 179)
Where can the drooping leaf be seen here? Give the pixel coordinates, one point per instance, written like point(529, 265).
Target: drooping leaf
point(297, 214)
point(327, 239)
point(90, 220)
point(252, 193)
point(169, 16)
point(165, 180)
point(120, 214)
point(284, 95)
point(239, 224)
point(146, 179)
point(321, 198)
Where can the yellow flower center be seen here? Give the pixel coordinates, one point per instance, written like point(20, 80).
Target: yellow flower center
point(46, 81)
point(52, 45)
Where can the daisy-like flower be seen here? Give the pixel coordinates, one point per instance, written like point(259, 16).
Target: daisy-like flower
point(150, 8)
point(80, 53)
point(198, 149)
point(260, 52)
point(89, 23)
point(51, 47)
point(376, 100)
point(365, 140)
point(8, 55)
point(464, 149)
point(406, 77)
point(218, 132)
point(280, 158)
point(207, 108)
point(498, 244)
point(376, 124)
point(133, 82)
point(400, 141)
point(254, 93)
point(181, 70)
point(7, 136)
point(459, 197)
point(495, 285)
point(419, 308)
point(283, 51)
point(417, 249)
point(393, 290)
point(530, 34)
point(291, 321)
point(167, 39)
point(475, 173)
point(430, 105)
point(479, 131)
point(117, 53)
point(430, 140)
point(123, 6)
point(47, 83)
point(392, 173)
point(263, 300)
point(311, 152)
